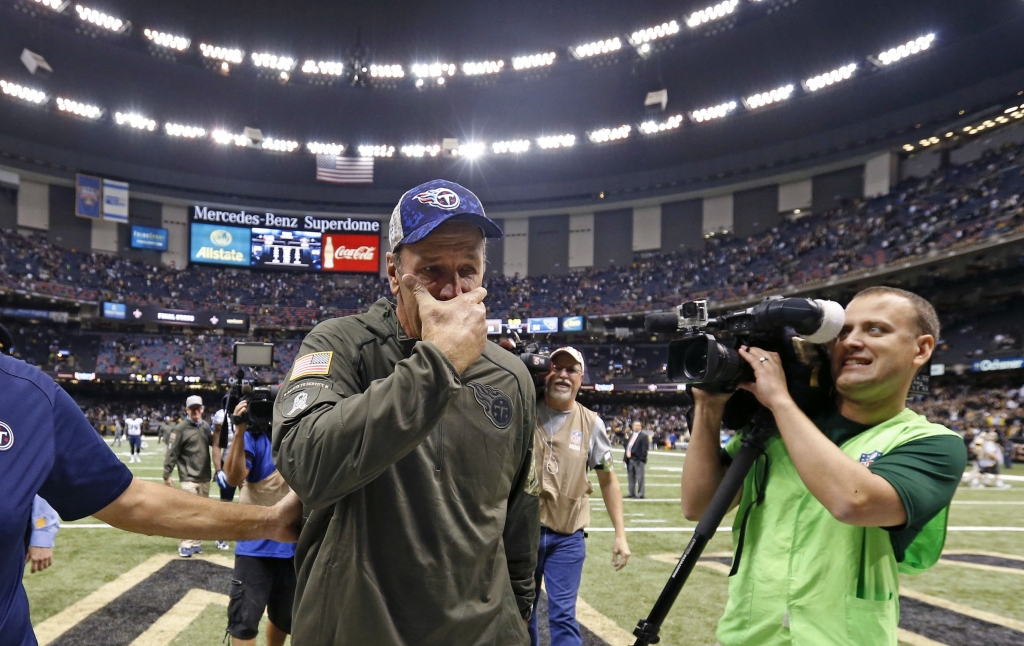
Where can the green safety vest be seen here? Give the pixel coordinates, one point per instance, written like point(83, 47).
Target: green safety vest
point(807, 579)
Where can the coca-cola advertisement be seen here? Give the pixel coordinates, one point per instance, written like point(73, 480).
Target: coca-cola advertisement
point(353, 253)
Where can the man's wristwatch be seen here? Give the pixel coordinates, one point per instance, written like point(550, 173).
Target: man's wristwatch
point(237, 419)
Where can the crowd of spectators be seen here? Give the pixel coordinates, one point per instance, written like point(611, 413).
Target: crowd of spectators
point(953, 207)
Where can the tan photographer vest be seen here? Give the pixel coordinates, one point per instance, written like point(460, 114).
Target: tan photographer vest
point(265, 493)
point(561, 462)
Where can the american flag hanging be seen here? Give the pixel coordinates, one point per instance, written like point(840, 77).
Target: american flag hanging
point(339, 169)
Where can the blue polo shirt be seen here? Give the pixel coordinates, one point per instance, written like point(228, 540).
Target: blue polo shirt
point(260, 463)
point(47, 447)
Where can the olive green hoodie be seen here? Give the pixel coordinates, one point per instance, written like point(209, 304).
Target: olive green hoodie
point(422, 530)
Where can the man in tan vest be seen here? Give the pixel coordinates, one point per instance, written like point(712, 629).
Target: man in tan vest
point(569, 440)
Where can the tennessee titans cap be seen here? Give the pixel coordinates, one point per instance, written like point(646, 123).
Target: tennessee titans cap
point(426, 207)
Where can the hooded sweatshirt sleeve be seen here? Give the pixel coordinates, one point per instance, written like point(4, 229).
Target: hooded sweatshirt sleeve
point(332, 436)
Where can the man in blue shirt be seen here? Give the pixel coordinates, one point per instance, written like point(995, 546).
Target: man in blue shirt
point(264, 576)
point(48, 447)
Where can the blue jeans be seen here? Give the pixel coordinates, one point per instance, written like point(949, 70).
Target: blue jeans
point(560, 558)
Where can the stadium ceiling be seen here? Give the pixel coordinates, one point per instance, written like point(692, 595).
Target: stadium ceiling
point(743, 80)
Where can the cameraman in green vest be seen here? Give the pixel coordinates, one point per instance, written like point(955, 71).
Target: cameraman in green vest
point(840, 505)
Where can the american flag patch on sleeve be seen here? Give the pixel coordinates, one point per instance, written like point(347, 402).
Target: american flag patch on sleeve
point(316, 363)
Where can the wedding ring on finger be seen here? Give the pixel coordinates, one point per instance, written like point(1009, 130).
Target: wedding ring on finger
point(763, 359)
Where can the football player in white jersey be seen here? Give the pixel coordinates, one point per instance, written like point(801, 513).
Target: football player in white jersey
point(134, 431)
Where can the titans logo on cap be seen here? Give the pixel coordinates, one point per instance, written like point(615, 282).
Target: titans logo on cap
point(442, 198)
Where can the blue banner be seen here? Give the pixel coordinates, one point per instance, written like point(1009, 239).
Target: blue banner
point(149, 238)
point(989, 365)
point(115, 201)
point(88, 196)
point(545, 325)
point(220, 245)
point(115, 311)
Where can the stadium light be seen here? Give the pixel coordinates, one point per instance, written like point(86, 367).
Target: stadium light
point(56, 5)
point(597, 47)
point(710, 14)
point(179, 43)
point(134, 120)
point(533, 60)
point(279, 145)
point(282, 63)
point(482, 67)
point(653, 127)
point(101, 19)
point(224, 137)
point(376, 151)
point(556, 141)
point(609, 134)
point(79, 109)
point(911, 48)
point(318, 148)
point(226, 54)
point(767, 98)
point(179, 130)
point(433, 70)
point(511, 146)
point(827, 79)
point(417, 150)
point(714, 112)
point(470, 150)
point(327, 68)
point(641, 36)
point(22, 92)
point(387, 71)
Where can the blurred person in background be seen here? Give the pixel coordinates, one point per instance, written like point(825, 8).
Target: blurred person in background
point(635, 458)
point(189, 452)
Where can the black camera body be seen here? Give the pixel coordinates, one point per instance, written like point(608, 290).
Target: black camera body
point(259, 417)
point(706, 355)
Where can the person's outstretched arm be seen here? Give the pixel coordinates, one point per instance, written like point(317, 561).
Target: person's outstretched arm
point(155, 510)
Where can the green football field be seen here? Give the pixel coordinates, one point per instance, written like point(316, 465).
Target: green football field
point(110, 587)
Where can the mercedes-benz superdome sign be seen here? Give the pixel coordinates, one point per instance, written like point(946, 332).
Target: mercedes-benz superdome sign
point(261, 239)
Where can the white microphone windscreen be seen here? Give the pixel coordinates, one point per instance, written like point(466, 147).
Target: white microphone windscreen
point(833, 318)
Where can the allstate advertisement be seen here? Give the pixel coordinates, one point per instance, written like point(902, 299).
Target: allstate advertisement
point(220, 245)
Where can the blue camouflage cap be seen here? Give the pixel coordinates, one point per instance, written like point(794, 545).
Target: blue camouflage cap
point(426, 207)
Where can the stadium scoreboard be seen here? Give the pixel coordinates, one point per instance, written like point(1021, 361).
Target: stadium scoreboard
point(264, 240)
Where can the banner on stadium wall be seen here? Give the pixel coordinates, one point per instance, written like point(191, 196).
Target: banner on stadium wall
point(188, 318)
point(990, 365)
point(351, 253)
point(275, 241)
point(115, 201)
point(88, 196)
point(22, 313)
point(220, 245)
point(152, 238)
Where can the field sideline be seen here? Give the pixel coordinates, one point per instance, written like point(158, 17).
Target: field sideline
point(974, 588)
